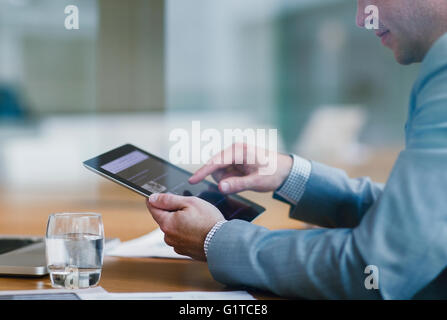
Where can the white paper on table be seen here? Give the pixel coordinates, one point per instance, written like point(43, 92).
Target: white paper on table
point(187, 295)
point(52, 294)
point(98, 293)
point(149, 245)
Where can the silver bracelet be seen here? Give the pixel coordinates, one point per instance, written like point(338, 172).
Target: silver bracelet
point(210, 235)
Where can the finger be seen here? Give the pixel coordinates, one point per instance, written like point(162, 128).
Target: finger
point(218, 174)
point(226, 173)
point(237, 184)
point(179, 251)
point(221, 174)
point(169, 241)
point(205, 171)
point(168, 201)
point(159, 215)
point(221, 160)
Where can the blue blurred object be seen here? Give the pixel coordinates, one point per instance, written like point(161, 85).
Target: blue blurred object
point(9, 104)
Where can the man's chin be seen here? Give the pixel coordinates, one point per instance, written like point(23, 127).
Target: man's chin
point(404, 57)
point(402, 60)
point(406, 54)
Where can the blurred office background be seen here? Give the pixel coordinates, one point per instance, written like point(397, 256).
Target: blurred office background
point(136, 69)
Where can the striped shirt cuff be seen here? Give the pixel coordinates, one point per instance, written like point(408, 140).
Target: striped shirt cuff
point(293, 188)
point(210, 235)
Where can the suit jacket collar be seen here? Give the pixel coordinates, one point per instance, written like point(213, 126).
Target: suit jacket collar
point(435, 61)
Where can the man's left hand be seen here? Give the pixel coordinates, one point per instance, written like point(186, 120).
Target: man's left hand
point(185, 222)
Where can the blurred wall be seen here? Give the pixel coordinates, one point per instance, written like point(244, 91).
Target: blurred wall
point(279, 60)
point(130, 55)
point(52, 69)
point(114, 62)
point(282, 60)
point(325, 59)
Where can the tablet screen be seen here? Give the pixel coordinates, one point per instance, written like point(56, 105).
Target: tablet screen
point(150, 174)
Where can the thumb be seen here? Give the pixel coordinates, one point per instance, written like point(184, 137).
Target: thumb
point(237, 184)
point(167, 201)
point(159, 215)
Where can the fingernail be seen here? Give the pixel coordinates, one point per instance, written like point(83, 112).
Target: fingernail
point(224, 186)
point(153, 197)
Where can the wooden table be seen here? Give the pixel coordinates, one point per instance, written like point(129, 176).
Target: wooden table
point(126, 217)
point(25, 212)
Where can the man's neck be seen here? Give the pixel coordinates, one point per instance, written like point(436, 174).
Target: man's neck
point(429, 43)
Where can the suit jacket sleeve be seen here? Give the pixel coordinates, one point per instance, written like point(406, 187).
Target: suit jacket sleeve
point(332, 199)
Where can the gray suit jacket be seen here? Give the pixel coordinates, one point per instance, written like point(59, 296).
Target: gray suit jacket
point(401, 228)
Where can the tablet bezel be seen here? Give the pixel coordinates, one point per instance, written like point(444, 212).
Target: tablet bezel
point(94, 164)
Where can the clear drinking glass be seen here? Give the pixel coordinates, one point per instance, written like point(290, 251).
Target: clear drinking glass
point(74, 249)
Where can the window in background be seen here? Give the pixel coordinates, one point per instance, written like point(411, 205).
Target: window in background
point(280, 61)
point(113, 63)
point(220, 55)
point(49, 68)
point(82, 91)
point(325, 59)
point(252, 63)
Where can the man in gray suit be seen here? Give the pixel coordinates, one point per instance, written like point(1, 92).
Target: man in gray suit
point(380, 241)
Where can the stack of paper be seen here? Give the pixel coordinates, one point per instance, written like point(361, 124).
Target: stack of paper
point(53, 294)
point(150, 245)
point(99, 293)
point(187, 295)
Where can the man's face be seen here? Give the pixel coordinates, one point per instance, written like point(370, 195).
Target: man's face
point(407, 27)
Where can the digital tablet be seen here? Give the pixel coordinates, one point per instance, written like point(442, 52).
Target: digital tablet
point(145, 174)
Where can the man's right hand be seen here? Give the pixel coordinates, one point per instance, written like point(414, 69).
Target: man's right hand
point(235, 170)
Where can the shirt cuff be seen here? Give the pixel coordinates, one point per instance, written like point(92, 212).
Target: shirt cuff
point(293, 188)
point(210, 235)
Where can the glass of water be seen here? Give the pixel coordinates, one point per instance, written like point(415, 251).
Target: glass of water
point(74, 249)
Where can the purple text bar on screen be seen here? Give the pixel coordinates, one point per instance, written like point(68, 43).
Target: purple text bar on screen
point(125, 162)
